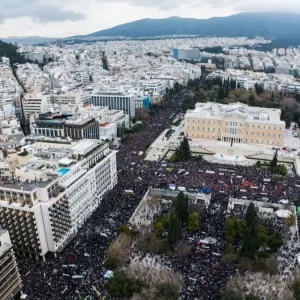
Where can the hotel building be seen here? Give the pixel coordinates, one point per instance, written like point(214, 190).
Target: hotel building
point(235, 123)
point(10, 281)
point(56, 188)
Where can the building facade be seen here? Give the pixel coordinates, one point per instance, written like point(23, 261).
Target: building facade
point(235, 123)
point(118, 101)
point(74, 127)
point(54, 192)
point(10, 280)
point(192, 53)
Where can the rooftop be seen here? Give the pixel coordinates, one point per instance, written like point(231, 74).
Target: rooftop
point(238, 110)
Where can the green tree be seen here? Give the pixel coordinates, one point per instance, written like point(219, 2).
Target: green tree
point(175, 229)
point(274, 161)
point(252, 100)
point(120, 285)
point(290, 220)
point(193, 222)
point(183, 152)
point(288, 121)
point(296, 288)
point(251, 297)
point(133, 120)
point(167, 291)
point(251, 240)
point(251, 214)
point(182, 207)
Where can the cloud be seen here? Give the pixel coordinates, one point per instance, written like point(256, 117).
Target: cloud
point(40, 11)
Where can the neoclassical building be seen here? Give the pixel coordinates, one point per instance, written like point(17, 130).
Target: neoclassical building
point(235, 122)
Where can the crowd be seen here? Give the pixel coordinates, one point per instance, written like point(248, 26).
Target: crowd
point(83, 257)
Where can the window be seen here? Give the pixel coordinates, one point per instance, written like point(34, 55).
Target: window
point(219, 123)
point(203, 122)
point(188, 127)
point(252, 133)
point(253, 126)
point(198, 128)
point(274, 135)
point(208, 129)
point(208, 136)
point(263, 134)
point(208, 122)
point(198, 121)
point(193, 127)
point(232, 130)
point(214, 122)
point(256, 141)
point(257, 133)
point(213, 129)
point(264, 126)
point(279, 135)
point(203, 128)
point(275, 128)
point(268, 134)
point(193, 121)
point(219, 130)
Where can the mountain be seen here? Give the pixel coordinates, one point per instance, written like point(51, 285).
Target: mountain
point(28, 40)
point(267, 24)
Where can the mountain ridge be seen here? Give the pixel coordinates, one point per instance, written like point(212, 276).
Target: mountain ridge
point(278, 25)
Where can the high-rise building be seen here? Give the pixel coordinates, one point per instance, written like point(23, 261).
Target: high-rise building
point(56, 187)
point(10, 280)
point(235, 123)
point(59, 43)
point(193, 53)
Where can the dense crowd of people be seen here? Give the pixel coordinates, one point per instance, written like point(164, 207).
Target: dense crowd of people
point(78, 271)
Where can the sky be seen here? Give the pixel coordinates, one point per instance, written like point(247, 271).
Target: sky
point(63, 18)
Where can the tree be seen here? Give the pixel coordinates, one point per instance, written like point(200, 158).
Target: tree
point(120, 285)
point(193, 222)
point(133, 120)
point(167, 291)
point(251, 240)
point(175, 229)
point(258, 163)
point(252, 100)
point(288, 121)
point(290, 221)
point(250, 214)
point(274, 161)
point(296, 288)
point(183, 152)
point(182, 207)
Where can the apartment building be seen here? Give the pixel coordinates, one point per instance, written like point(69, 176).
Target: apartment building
point(34, 103)
point(235, 123)
point(10, 281)
point(56, 188)
point(119, 101)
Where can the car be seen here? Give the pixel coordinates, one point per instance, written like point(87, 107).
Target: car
point(294, 149)
point(283, 148)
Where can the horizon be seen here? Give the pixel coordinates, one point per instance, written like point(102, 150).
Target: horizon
point(53, 19)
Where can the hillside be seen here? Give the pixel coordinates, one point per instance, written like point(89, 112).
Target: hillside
point(10, 51)
point(277, 25)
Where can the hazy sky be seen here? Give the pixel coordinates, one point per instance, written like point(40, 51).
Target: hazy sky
point(61, 18)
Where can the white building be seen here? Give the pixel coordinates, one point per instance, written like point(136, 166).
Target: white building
point(10, 281)
point(56, 188)
point(119, 101)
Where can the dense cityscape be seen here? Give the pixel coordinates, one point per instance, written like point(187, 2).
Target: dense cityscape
point(162, 167)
